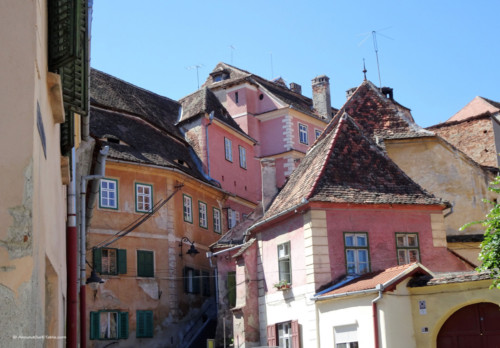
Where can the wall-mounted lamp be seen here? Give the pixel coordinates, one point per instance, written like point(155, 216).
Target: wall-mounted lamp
point(94, 280)
point(192, 250)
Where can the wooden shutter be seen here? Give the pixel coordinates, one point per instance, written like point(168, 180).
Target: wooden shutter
point(196, 281)
point(122, 261)
point(123, 325)
point(94, 325)
point(148, 323)
point(140, 324)
point(271, 336)
point(295, 334)
point(97, 259)
point(231, 288)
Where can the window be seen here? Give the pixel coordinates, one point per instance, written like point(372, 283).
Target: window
point(346, 336)
point(284, 335)
point(144, 321)
point(233, 217)
point(356, 251)
point(110, 261)
point(205, 283)
point(317, 133)
point(105, 325)
point(108, 194)
point(228, 149)
point(143, 197)
point(202, 208)
point(217, 221)
point(236, 98)
point(145, 263)
point(231, 288)
point(188, 209)
point(191, 280)
point(303, 134)
point(243, 157)
point(407, 248)
point(284, 263)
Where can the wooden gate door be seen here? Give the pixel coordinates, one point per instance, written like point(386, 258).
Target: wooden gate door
point(474, 326)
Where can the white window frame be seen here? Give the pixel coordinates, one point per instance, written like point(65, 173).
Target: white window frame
point(217, 220)
point(303, 136)
point(105, 192)
point(284, 258)
point(106, 324)
point(356, 249)
point(243, 157)
point(346, 336)
point(187, 208)
point(407, 248)
point(228, 152)
point(317, 133)
point(202, 214)
point(284, 334)
point(233, 218)
point(144, 199)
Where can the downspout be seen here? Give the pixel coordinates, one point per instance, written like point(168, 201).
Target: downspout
point(71, 263)
point(210, 118)
point(379, 288)
point(99, 170)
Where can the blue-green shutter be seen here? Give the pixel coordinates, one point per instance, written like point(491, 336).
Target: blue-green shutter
point(94, 325)
point(196, 281)
point(144, 324)
point(148, 324)
point(123, 325)
point(97, 259)
point(122, 261)
point(139, 324)
point(145, 263)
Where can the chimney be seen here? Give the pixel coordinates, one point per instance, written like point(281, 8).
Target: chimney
point(388, 92)
point(295, 87)
point(269, 189)
point(350, 92)
point(321, 96)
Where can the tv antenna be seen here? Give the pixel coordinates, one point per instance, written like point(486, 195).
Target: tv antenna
point(197, 67)
point(272, 69)
point(374, 34)
point(232, 51)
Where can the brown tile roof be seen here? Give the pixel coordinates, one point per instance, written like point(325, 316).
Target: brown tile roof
point(475, 107)
point(369, 281)
point(380, 117)
point(449, 278)
point(112, 93)
point(345, 166)
point(204, 101)
point(295, 100)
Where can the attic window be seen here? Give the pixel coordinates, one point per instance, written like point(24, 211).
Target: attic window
point(113, 140)
point(220, 76)
point(181, 162)
point(261, 96)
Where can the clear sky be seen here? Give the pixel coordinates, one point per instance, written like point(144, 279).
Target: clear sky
point(437, 55)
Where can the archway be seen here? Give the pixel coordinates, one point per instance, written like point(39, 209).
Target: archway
point(477, 326)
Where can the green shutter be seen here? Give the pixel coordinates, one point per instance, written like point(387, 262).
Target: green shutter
point(149, 264)
point(94, 325)
point(186, 279)
point(122, 261)
point(148, 324)
point(196, 281)
point(97, 259)
point(145, 263)
point(139, 324)
point(123, 325)
point(231, 288)
point(144, 324)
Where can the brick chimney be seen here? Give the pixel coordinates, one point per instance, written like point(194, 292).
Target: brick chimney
point(321, 96)
point(295, 87)
point(269, 188)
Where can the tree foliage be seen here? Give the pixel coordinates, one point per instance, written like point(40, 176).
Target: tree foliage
point(490, 247)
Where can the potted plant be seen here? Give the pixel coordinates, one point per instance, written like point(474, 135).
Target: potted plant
point(283, 285)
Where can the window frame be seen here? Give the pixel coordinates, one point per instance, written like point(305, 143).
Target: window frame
point(187, 213)
point(231, 288)
point(407, 248)
point(243, 156)
point(203, 223)
point(286, 258)
point(120, 261)
point(108, 206)
point(191, 280)
point(228, 149)
point(147, 328)
point(356, 250)
point(150, 197)
point(122, 325)
point(217, 222)
point(205, 283)
point(317, 133)
point(346, 331)
point(141, 271)
point(303, 133)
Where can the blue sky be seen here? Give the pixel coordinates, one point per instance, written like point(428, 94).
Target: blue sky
point(437, 55)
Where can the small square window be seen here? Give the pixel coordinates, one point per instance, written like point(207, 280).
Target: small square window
point(106, 325)
point(317, 133)
point(356, 253)
point(407, 248)
point(143, 197)
point(108, 194)
point(303, 138)
point(109, 261)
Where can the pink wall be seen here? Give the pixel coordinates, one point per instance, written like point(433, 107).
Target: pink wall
point(291, 230)
point(310, 135)
point(272, 138)
point(232, 177)
point(381, 226)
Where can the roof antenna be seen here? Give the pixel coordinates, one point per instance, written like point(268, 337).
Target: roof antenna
point(375, 47)
point(272, 70)
point(364, 69)
point(197, 66)
point(232, 50)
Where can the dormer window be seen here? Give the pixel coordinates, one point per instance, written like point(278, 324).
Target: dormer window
point(220, 75)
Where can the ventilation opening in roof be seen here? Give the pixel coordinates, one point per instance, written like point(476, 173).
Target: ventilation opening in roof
point(182, 163)
point(113, 140)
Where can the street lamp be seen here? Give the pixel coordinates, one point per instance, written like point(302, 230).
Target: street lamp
point(192, 250)
point(94, 280)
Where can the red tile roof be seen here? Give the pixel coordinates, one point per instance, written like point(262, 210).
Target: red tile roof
point(385, 277)
point(475, 107)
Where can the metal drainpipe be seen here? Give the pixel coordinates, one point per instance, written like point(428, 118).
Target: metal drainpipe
point(71, 257)
point(380, 288)
point(100, 169)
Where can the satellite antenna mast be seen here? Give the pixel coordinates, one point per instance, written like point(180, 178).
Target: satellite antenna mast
point(375, 47)
point(272, 70)
point(232, 50)
point(197, 67)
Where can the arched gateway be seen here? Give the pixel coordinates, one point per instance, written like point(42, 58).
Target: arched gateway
point(476, 326)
